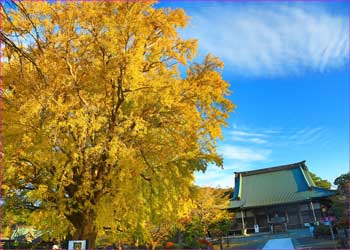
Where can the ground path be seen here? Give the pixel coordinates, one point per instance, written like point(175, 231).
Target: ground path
point(279, 244)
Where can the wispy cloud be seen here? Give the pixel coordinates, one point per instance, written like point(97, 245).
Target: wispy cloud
point(240, 153)
point(265, 138)
point(249, 137)
point(271, 39)
point(243, 151)
point(245, 133)
point(307, 135)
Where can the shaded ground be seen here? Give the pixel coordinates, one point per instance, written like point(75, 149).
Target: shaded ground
point(301, 239)
point(311, 243)
point(252, 244)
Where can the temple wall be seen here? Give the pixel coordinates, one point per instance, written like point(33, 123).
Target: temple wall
point(296, 215)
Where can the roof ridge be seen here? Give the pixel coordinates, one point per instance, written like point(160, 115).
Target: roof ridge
point(272, 169)
point(322, 188)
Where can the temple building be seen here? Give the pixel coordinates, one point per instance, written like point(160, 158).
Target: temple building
point(283, 196)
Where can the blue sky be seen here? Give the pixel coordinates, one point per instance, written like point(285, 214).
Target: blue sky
point(288, 66)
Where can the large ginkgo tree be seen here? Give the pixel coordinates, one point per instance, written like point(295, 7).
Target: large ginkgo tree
point(101, 129)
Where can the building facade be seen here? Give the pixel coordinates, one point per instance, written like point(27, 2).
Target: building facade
point(281, 197)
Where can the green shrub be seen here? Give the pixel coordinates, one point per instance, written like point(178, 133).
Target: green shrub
point(342, 223)
point(321, 231)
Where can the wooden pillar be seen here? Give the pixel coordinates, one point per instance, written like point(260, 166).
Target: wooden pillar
point(287, 220)
point(243, 224)
point(227, 241)
point(267, 214)
point(255, 220)
point(313, 210)
point(300, 217)
point(286, 214)
point(268, 220)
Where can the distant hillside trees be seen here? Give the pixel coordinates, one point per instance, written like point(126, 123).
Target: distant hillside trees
point(320, 182)
point(343, 183)
point(208, 218)
point(340, 207)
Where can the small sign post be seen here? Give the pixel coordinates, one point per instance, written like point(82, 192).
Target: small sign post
point(77, 245)
point(256, 228)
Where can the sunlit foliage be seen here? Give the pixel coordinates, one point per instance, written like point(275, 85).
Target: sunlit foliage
point(100, 127)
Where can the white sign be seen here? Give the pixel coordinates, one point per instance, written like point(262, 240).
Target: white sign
point(256, 228)
point(77, 245)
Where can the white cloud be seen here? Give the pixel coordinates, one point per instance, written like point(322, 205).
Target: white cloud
point(308, 135)
point(248, 137)
point(251, 140)
point(271, 39)
point(246, 154)
point(215, 178)
point(244, 133)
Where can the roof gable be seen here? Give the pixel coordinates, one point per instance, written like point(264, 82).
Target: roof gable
point(277, 185)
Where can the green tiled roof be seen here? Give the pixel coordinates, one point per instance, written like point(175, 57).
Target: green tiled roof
point(277, 185)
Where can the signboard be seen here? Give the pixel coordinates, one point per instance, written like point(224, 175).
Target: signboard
point(77, 245)
point(256, 228)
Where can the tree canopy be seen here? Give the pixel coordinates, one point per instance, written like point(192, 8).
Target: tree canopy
point(210, 211)
point(100, 126)
point(340, 207)
point(208, 217)
point(343, 183)
point(320, 182)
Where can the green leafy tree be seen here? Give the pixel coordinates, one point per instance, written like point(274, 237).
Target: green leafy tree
point(343, 183)
point(99, 125)
point(340, 206)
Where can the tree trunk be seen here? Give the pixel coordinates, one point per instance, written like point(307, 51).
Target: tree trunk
point(154, 244)
point(179, 237)
point(87, 232)
point(85, 229)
